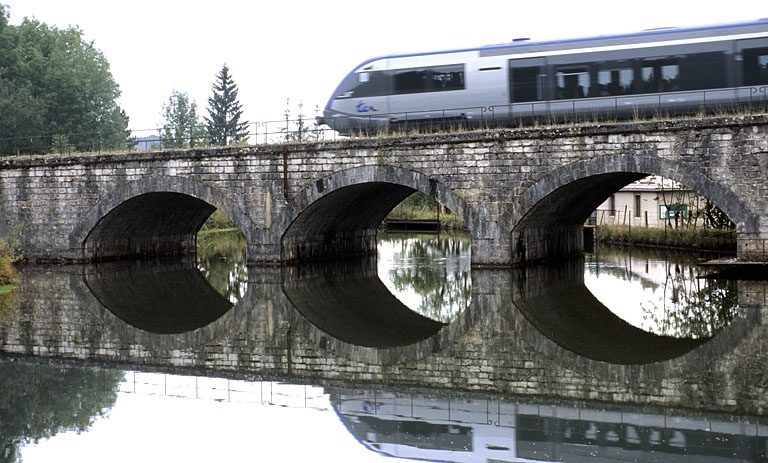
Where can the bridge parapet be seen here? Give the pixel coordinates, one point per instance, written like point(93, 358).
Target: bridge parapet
point(522, 193)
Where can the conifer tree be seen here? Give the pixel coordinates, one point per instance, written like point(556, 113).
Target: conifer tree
point(224, 111)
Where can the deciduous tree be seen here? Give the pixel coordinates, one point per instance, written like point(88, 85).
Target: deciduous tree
point(182, 127)
point(53, 84)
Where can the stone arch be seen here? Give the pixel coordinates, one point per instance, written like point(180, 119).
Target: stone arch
point(158, 192)
point(548, 208)
point(338, 215)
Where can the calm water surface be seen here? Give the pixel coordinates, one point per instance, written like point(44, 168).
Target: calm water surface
point(52, 411)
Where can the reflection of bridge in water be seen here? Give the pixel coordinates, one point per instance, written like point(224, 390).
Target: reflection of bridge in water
point(473, 428)
point(506, 342)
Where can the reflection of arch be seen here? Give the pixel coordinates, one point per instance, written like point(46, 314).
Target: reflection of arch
point(150, 213)
point(338, 215)
point(556, 302)
point(167, 298)
point(578, 337)
point(349, 302)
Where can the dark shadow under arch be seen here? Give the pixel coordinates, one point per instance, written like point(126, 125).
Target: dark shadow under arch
point(548, 217)
point(337, 216)
point(584, 185)
point(151, 216)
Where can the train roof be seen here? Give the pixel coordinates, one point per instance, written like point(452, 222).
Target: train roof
point(638, 37)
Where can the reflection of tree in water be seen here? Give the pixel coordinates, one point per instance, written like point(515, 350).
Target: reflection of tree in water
point(692, 307)
point(221, 257)
point(39, 401)
point(432, 269)
point(8, 314)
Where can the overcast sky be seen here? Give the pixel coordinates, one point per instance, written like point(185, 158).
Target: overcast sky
point(300, 50)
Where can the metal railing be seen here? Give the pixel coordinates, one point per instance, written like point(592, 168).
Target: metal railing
point(744, 100)
point(225, 390)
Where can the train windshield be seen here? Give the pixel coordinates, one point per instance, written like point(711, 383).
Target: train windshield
point(364, 84)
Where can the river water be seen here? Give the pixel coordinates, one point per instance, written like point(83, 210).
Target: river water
point(96, 363)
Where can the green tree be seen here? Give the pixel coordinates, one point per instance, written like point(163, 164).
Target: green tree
point(224, 111)
point(52, 83)
point(182, 127)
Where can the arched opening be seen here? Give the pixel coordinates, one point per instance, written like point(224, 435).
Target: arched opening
point(343, 227)
point(150, 224)
point(166, 262)
point(607, 314)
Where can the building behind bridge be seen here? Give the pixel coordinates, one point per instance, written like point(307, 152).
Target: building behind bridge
point(652, 201)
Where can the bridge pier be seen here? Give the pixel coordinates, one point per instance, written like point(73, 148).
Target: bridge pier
point(532, 245)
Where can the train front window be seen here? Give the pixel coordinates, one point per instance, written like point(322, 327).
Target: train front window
point(756, 66)
point(365, 84)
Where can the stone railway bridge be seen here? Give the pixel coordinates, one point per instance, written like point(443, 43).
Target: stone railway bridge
point(524, 194)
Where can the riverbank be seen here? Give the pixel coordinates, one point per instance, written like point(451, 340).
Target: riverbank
point(8, 256)
point(704, 239)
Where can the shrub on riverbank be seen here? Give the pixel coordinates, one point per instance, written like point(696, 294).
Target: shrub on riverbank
point(420, 206)
point(8, 256)
point(218, 221)
point(684, 238)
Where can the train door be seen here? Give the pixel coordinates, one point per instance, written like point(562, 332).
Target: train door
point(527, 87)
point(754, 61)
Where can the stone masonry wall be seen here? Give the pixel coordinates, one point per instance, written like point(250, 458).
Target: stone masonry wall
point(500, 181)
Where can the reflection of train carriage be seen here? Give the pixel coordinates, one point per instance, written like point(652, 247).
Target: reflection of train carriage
point(460, 430)
point(665, 70)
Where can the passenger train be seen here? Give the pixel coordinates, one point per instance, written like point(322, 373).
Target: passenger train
point(660, 71)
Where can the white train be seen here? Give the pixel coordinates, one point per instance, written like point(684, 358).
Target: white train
point(664, 71)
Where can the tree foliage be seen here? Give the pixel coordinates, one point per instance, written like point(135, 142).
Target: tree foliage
point(40, 401)
point(53, 84)
point(224, 112)
point(182, 127)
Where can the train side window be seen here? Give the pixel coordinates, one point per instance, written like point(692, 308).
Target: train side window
point(755, 66)
point(572, 83)
point(430, 79)
point(660, 76)
point(526, 84)
point(615, 81)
